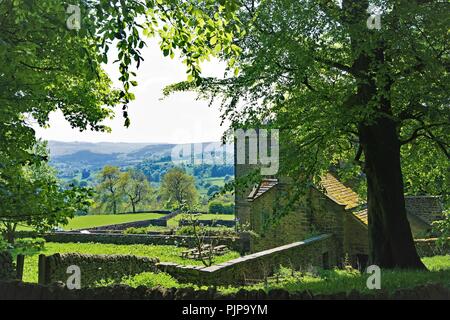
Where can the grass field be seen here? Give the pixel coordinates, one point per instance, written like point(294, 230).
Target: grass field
point(103, 220)
point(163, 253)
point(85, 222)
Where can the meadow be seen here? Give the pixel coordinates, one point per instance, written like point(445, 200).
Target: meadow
point(92, 221)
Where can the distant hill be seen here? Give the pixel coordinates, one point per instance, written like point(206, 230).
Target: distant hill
point(87, 157)
point(58, 148)
point(72, 158)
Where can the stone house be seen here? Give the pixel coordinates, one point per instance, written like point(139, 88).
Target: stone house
point(330, 207)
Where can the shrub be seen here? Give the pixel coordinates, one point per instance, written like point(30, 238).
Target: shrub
point(151, 280)
point(210, 231)
point(29, 246)
point(220, 207)
point(147, 230)
point(442, 228)
point(215, 207)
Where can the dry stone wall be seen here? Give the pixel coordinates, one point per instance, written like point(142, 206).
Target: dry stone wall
point(94, 268)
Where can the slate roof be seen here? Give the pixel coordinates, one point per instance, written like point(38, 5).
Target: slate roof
point(339, 193)
point(262, 188)
point(362, 216)
point(426, 208)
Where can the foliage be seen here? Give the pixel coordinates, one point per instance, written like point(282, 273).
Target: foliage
point(178, 189)
point(48, 67)
point(343, 94)
point(442, 228)
point(209, 231)
point(108, 189)
point(151, 280)
point(135, 187)
point(149, 229)
point(31, 195)
point(28, 246)
point(220, 207)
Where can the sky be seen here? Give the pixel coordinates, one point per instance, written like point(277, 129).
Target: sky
point(179, 118)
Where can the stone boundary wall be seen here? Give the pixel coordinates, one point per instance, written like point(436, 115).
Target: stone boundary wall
point(7, 269)
point(428, 247)
point(162, 222)
point(93, 267)
point(314, 252)
point(112, 238)
point(28, 291)
point(209, 223)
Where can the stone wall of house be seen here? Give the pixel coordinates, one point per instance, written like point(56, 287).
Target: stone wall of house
point(317, 252)
point(326, 216)
point(356, 240)
point(7, 270)
point(93, 267)
point(286, 228)
point(427, 208)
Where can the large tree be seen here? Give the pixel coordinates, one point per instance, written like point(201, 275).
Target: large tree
point(135, 187)
point(47, 66)
point(351, 95)
point(32, 196)
point(108, 188)
point(178, 189)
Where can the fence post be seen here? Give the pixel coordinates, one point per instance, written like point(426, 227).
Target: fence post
point(19, 266)
point(41, 270)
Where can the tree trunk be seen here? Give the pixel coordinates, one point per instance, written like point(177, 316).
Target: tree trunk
point(390, 238)
point(10, 234)
point(114, 206)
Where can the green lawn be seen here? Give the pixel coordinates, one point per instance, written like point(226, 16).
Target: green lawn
point(323, 282)
point(91, 221)
point(336, 281)
point(173, 223)
point(163, 253)
point(104, 220)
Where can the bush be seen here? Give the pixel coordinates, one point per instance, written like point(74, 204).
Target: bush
point(147, 230)
point(151, 280)
point(442, 228)
point(210, 231)
point(215, 207)
point(220, 207)
point(29, 246)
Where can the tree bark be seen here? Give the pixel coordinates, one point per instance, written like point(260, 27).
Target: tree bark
point(10, 234)
point(390, 238)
